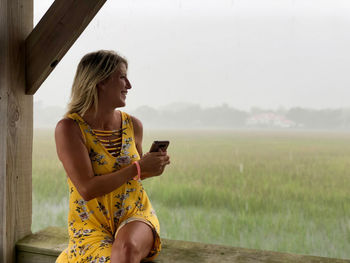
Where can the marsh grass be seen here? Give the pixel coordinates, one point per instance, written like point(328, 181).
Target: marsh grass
point(283, 191)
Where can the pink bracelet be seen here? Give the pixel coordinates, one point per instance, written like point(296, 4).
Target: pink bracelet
point(138, 176)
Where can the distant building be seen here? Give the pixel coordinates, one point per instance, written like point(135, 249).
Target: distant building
point(269, 120)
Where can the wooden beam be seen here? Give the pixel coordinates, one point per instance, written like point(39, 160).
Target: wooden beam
point(54, 35)
point(16, 127)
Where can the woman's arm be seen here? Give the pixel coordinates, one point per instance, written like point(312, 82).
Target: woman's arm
point(74, 156)
point(138, 134)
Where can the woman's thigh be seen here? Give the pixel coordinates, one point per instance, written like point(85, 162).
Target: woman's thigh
point(133, 239)
point(94, 248)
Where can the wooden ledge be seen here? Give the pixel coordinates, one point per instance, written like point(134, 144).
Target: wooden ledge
point(47, 244)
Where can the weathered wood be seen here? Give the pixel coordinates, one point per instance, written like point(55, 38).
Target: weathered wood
point(25, 257)
point(16, 127)
point(50, 242)
point(54, 35)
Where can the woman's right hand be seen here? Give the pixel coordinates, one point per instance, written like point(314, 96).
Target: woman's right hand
point(153, 164)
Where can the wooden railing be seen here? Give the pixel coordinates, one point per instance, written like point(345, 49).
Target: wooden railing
point(47, 244)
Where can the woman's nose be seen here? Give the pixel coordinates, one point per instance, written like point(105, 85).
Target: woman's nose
point(128, 84)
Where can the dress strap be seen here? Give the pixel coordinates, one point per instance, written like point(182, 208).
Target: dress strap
point(127, 122)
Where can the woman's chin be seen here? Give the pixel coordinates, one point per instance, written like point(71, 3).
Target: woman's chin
point(121, 104)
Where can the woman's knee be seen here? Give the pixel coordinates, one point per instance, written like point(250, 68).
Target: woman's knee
point(126, 251)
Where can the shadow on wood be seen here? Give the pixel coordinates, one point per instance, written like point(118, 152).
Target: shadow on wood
point(47, 244)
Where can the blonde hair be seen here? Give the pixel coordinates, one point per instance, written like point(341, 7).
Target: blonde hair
point(92, 69)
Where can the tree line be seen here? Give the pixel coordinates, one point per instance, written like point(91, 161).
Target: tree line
point(192, 116)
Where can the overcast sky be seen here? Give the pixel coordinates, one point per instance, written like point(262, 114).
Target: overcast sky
point(245, 53)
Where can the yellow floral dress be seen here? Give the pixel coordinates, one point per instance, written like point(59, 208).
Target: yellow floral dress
point(92, 225)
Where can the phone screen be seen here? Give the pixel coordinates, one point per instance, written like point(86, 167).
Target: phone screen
point(159, 145)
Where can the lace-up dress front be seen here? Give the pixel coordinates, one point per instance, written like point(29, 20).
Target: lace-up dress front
point(111, 140)
point(93, 225)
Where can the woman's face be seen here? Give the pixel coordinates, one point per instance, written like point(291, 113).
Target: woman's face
point(113, 90)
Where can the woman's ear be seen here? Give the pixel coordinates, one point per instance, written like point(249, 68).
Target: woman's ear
point(100, 84)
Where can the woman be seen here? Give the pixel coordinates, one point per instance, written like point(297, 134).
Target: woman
point(110, 216)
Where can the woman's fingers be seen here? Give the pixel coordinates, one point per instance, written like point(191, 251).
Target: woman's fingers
point(155, 162)
point(158, 153)
point(165, 160)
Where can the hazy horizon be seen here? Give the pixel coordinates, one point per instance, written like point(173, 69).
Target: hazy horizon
point(245, 53)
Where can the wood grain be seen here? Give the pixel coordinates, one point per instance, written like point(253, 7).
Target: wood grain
point(16, 122)
point(55, 33)
point(51, 241)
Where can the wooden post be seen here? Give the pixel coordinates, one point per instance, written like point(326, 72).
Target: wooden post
point(16, 127)
point(25, 61)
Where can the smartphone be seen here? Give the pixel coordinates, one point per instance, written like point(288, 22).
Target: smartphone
point(159, 145)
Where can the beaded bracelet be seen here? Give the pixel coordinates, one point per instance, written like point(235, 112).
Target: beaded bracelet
point(138, 176)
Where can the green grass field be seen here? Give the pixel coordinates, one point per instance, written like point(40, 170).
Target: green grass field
point(272, 190)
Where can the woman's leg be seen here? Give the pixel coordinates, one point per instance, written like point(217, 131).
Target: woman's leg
point(133, 242)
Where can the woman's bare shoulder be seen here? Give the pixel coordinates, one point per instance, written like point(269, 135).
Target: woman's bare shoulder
point(138, 127)
point(66, 124)
point(67, 127)
point(138, 133)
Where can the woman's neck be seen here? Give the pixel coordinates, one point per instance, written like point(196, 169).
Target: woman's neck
point(103, 119)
